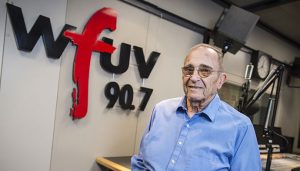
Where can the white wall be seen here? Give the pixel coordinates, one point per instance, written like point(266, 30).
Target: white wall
point(202, 12)
point(35, 92)
point(28, 94)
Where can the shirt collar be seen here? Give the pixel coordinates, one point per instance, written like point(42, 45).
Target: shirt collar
point(210, 110)
point(182, 104)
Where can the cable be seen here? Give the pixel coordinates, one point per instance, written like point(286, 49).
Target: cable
point(282, 136)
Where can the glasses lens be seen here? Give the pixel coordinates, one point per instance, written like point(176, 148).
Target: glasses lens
point(188, 70)
point(204, 72)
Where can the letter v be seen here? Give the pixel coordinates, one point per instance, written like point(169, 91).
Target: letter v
point(143, 67)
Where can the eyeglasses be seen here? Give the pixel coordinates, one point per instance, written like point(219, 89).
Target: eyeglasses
point(203, 71)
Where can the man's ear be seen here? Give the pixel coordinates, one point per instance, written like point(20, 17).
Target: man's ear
point(221, 80)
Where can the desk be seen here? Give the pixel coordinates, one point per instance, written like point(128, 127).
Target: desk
point(114, 163)
point(282, 161)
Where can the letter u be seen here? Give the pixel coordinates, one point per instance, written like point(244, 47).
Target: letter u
point(105, 58)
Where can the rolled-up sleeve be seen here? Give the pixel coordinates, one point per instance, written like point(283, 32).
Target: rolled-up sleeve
point(137, 163)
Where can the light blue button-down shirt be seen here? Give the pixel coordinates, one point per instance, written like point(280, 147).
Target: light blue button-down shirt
point(217, 139)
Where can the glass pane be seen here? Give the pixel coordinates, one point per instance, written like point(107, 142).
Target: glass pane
point(231, 94)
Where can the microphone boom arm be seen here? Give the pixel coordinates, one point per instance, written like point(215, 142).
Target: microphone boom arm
point(272, 107)
point(273, 76)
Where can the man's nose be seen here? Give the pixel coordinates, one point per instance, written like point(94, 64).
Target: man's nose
point(195, 76)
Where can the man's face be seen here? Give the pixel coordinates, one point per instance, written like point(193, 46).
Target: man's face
point(199, 89)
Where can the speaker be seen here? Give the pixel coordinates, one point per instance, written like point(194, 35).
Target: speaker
point(295, 70)
point(233, 28)
point(293, 79)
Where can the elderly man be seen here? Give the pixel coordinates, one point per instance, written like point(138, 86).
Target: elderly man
point(198, 131)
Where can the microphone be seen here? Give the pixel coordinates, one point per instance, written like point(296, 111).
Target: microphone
point(248, 72)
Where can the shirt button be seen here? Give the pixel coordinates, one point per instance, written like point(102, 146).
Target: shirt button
point(188, 125)
point(179, 142)
point(173, 161)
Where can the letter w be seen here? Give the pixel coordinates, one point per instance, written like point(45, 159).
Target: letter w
point(42, 27)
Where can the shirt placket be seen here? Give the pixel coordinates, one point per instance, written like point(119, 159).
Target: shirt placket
point(179, 145)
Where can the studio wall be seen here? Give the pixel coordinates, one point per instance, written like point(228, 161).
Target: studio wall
point(35, 91)
point(28, 94)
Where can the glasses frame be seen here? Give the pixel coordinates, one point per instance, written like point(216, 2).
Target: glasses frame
point(198, 69)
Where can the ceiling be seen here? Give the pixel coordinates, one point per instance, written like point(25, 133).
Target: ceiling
point(279, 17)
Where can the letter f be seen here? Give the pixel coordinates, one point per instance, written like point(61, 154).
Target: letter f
point(87, 42)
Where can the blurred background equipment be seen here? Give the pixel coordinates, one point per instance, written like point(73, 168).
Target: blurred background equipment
point(233, 28)
point(293, 79)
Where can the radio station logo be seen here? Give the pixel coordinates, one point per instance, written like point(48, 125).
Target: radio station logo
point(86, 42)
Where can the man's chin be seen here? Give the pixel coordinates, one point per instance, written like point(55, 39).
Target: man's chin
point(195, 99)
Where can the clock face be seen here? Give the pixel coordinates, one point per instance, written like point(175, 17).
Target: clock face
point(263, 66)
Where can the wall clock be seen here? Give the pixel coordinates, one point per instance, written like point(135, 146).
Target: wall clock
point(262, 64)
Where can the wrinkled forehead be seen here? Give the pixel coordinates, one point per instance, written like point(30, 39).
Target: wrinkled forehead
point(202, 55)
